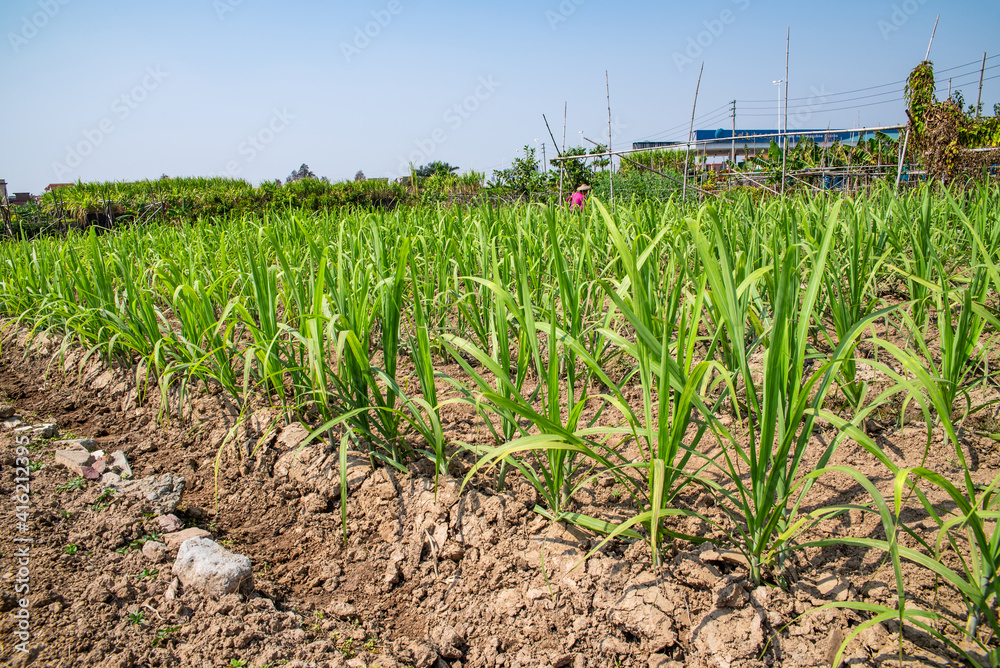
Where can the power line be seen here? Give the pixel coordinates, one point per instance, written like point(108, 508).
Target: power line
point(974, 74)
point(862, 106)
point(717, 115)
point(892, 83)
point(700, 119)
point(814, 107)
point(826, 111)
point(850, 99)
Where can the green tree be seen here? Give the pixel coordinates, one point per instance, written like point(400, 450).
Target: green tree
point(575, 172)
point(435, 168)
point(523, 178)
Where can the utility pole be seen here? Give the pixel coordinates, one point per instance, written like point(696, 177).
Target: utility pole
point(979, 98)
point(732, 156)
point(545, 163)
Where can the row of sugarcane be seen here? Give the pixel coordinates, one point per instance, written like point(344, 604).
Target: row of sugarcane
point(710, 339)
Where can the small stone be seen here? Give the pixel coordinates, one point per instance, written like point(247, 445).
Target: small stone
point(614, 646)
point(103, 380)
point(89, 473)
point(730, 557)
point(110, 478)
point(155, 551)
point(6, 411)
point(43, 430)
point(731, 595)
point(536, 594)
point(117, 463)
point(424, 655)
point(291, 436)
point(171, 592)
point(561, 660)
point(74, 460)
point(169, 523)
point(342, 610)
point(393, 574)
point(453, 552)
point(176, 539)
point(830, 586)
point(11, 423)
point(205, 565)
point(87, 444)
point(100, 466)
point(449, 642)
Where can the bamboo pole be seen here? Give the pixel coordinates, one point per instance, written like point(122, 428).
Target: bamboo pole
point(611, 159)
point(929, 44)
point(979, 98)
point(784, 154)
point(902, 156)
point(687, 151)
point(563, 152)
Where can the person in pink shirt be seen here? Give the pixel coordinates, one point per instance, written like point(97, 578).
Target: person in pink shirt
point(578, 199)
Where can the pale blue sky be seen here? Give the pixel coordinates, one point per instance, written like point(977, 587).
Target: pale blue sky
point(115, 90)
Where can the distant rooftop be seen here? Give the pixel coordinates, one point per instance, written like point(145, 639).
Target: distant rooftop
point(761, 138)
point(52, 186)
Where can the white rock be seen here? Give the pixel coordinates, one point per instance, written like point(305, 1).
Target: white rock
point(44, 430)
point(11, 422)
point(205, 565)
